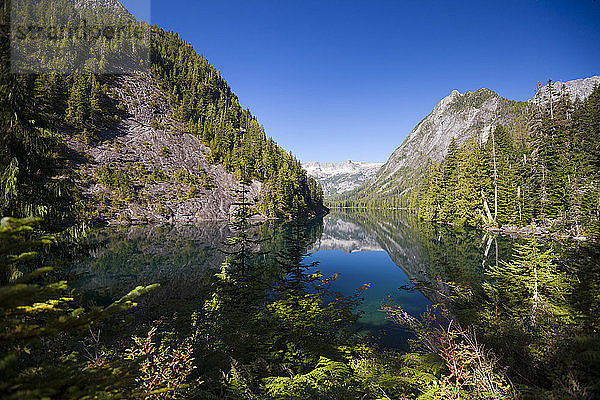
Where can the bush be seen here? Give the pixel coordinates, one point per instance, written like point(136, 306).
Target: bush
point(117, 180)
point(36, 307)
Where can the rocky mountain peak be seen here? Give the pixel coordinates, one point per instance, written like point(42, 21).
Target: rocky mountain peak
point(575, 89)
point(459, 116)
point(109, 7)
point(342, 177)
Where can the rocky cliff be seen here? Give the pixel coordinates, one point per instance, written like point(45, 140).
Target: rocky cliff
point(167, 168)
point(577, 89)
point(166, 142)
point(459, 116)
point(113, 7)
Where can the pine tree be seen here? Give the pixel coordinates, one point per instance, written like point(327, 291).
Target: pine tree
point(449, 182)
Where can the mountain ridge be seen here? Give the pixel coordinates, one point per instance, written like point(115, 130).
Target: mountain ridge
point(167, 143)
point(459, 116)
point(342, 177)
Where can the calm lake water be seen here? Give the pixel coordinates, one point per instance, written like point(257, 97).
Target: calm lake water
point(399, 259)
point(397, 256)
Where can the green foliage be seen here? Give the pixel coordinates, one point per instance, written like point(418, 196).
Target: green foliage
point(536, 311)
point(37, 180)
point(117, 180)
point(156, 125)
point(36, 308)
point(200, 178)
point(540, 169)
point(528, 315)
point(164, 151)
point(532, 285)
point(468, 372)
point(164, 367)
point(329, 379)
point(543, 177)
point(209, 109)
point(34, 176)
point(471, 99)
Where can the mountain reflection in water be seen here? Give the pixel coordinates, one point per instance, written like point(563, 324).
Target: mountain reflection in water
point(389, 251)
point(400, 258)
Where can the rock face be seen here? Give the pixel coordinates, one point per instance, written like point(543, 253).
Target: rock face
point(577, 89)
point(459, 116)
point(112, 7)
point(338, 178)
point(171, 177)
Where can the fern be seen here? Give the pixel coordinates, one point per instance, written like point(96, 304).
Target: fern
point(328, 377)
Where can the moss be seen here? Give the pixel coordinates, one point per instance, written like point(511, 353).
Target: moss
point(156, 124)
point(164, 151)
point(200, 178)
point(158, 175)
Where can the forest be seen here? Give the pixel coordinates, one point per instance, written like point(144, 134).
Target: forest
point(266, 324)
point(548, 175)
point(94, 313)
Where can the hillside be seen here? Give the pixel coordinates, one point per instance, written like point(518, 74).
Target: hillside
point(166, 143)
point(339, 178)
point(165, 167)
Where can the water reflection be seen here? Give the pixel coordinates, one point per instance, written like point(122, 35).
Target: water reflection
point(402, 258)
point(389, 251)
point(276, 308)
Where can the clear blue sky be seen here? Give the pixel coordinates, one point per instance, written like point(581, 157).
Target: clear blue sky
point(348, 79)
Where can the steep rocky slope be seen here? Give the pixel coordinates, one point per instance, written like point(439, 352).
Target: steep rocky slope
point(113, 7)
point(577, 89)
point(166, 140)
point(338, 178)
point(170, 178)
point(458, 116)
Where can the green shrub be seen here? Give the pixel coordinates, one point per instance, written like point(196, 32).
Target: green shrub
point(117, 181)
point(164, 151)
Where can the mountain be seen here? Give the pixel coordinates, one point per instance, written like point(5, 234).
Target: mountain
point(460, 116)
point(577, 89)
point(347, 236)
point(167, 166)
point(338, 178)
point(168, 143)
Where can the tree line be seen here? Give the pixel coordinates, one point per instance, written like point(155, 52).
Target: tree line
point(548, 176)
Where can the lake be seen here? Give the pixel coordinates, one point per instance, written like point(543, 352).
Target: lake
point(398, 257)
point(261, 297)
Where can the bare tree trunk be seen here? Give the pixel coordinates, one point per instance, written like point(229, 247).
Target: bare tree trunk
point(496, 244)
point(536, 294)
point(487, 209)
point(487, 251)
point(519, 202)
point(551, 99)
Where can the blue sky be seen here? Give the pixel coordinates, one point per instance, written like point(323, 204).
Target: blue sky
point(348, 79)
